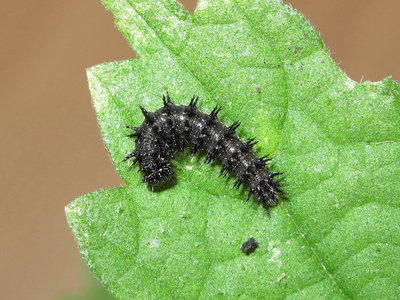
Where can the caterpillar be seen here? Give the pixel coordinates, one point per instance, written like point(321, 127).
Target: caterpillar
point(172, 128)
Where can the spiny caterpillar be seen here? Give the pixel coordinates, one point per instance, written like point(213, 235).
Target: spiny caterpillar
point(173, 127)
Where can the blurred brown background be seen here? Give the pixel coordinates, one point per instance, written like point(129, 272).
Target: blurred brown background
point(51, 151)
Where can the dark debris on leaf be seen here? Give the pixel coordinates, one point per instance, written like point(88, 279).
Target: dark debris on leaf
point(249, 246)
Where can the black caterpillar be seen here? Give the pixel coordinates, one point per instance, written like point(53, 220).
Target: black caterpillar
point(173, 127)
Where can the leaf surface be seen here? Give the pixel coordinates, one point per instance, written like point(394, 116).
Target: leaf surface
point(337, 141)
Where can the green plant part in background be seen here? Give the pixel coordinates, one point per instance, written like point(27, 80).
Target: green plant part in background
point(337, 141)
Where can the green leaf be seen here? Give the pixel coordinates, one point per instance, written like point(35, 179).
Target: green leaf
point(337, 141)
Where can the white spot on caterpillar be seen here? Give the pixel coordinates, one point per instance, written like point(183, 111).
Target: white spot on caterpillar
point(189, 167)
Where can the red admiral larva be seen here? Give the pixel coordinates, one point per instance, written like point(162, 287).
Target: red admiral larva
point(173, 127)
